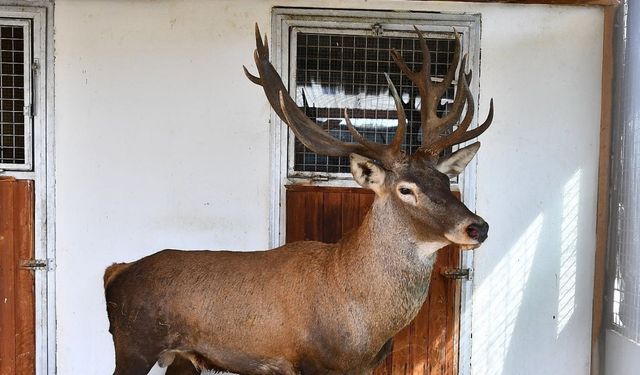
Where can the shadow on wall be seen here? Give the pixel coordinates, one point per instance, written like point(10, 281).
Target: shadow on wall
point(519, 283)
point(568, 251)
point(499, 298)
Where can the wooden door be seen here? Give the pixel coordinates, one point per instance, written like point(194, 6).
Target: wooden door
point(17, 284)
point(429, 344)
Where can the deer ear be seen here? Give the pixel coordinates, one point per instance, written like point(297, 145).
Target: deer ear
point(367, 173)
point(455, 163)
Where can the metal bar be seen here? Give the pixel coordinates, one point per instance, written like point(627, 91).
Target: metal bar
point(457, 273)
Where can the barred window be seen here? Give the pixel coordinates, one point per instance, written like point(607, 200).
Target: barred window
point(15, 96)
point(337, 71)
point(333, 66)
point(623, 288)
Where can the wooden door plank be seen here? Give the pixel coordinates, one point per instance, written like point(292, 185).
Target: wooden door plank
point(453, 306)
point(7, 270)
point(438, 319)
point(414, 350)
point(422, 340)
point(331, 216)
point(448, 317)
point(400, 361)
point(366, 200)
point(314, 224)
point(386, 367)
point(24, 279)
point(295, 216)
point(350, 211)
point(452, 316)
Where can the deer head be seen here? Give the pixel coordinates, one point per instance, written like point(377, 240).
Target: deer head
point(416, 185)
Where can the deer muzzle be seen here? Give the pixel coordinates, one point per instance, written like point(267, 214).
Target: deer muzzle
point(478, 231)
point(470, 233)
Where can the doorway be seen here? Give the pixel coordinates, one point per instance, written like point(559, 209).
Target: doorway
point(334, 59)
point(27, 323)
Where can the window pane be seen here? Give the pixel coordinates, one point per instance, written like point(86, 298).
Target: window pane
point(337, 71)
point(12, 129)
point(624, 237)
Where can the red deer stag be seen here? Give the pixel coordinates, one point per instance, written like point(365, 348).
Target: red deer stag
point(309, 307)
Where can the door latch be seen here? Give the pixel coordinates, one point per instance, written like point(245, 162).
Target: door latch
point(457, 273)
point(35, 264)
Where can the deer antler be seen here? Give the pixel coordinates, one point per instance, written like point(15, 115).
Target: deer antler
point(430, 93)
point(306, 130)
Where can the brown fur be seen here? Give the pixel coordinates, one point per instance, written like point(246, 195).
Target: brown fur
point(112, 271)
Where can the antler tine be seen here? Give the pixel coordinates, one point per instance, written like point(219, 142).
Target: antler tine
point(431, 93)
point(475, 132)
point(259, 46)
point(425, 69)
point(396, 144)
point(373, 146)
point(435, 125)
point(423, 72)
point(389, 153)
point(461, 134)
point(305, 129)
point(439, 143)
point(421, 78)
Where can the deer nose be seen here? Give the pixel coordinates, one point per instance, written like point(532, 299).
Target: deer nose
point(478, 231)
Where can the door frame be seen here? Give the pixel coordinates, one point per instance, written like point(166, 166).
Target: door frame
point(282, 19)
point(40, 13)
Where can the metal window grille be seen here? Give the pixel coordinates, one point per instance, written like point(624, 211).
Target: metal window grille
point(623, 291)
point(337, 71)
point(625, 242)
point(15, 106)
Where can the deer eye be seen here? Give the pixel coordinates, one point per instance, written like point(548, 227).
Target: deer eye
point(405, 191)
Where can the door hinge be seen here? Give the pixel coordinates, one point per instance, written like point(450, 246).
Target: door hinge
point(35, 264)
point(30, 110)
point(457, 273)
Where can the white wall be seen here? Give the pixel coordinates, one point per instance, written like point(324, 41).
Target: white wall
point(537, 188)
point(622, 355)
point(162, 142)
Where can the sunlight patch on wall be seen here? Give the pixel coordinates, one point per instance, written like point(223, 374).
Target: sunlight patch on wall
point(498, 300)
point(568, 250)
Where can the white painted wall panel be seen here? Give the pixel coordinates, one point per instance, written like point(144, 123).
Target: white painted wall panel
point(162, 142)
point(537, 188)
point(622, 355)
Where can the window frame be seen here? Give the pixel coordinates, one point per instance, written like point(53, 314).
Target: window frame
point(294, 174)
point(287, 22)
point(282, 20)
point(40, 14)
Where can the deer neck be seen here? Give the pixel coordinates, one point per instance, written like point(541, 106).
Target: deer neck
point(388, 237)
point(385, 266)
